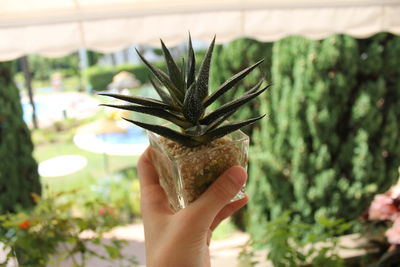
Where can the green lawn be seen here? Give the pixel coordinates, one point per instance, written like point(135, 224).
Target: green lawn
point(94, 169)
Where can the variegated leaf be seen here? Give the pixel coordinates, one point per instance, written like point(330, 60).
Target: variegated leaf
point(228, 84)
point(184, 73)
point(255, 87)
point(173, 70)
point(192, 108)
point(191, 64)
point(230, 106)
point(148, 102)
point(204, 73)
point(219, 121)
point(227, 129)
point(167, 133)
point(158, 112)
point(163, 78)
point(163, 95)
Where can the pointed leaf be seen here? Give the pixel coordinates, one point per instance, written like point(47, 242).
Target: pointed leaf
point(148, 102)
point(230, 106)
point(163, 78)
point(228, 84)
point(173, 70)
point(191, 65)
point(219, 121)
point(196, 130)
point(255, 87)
point(204, 73)
point(183, 72)
point(167, 133)
point(227, 129)
point(158, 112)
point(163, 95)
point(192, 108)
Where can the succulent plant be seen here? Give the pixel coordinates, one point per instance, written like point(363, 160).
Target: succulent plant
point(185, 97)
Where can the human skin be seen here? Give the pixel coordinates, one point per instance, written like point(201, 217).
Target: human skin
point(181, 239)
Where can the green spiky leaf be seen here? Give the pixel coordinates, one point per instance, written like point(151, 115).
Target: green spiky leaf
point(183, 72)
point(228, 84)
point(164, 79)
point(219, 121)
point(158, 112)
point(227, 129)
point(229, 107)
point(167, 133)
point(196, 130)
point(191, 64)
point(185, 98)
point(148, 102)
point(173, 70)
point(255, 87)
point(204, 73)
point(192, 108)
point(163, 95)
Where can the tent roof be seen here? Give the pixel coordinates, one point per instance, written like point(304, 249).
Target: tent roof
point(55, 28)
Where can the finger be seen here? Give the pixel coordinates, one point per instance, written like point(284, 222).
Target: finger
point(209, 235)
point(146, 171)
point(228, 210)
point(217, 196)
point(153, 197)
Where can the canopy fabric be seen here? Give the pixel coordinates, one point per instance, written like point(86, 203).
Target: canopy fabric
point(57, 27)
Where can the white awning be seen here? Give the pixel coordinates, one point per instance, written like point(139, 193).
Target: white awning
point(57, 27)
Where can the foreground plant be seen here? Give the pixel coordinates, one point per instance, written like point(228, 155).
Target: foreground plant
point(293, 243)
point(198, 145)
point(50, 234)
point(383, 216)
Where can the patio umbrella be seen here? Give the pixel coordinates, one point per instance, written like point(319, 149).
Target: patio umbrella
point(55, 28)
point(101, 126)
point(123, 80)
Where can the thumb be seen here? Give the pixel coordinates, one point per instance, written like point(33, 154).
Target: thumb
point(218, 195)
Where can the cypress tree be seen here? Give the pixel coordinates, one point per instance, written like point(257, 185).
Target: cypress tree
point(18, 169)
point(331, 140)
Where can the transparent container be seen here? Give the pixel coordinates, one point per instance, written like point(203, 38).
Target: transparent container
point(185, 173)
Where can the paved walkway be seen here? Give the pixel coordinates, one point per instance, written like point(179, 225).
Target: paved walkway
point(223, 252)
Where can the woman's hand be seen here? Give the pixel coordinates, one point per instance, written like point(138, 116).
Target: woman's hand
point(181, 239)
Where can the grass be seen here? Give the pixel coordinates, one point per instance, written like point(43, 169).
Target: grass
point(95, 168)
point(57, 141)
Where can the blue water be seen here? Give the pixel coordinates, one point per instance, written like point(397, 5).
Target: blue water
point(42, 109)
point(134, 135)
point(27, 111)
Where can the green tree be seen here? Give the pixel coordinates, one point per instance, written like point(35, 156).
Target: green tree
point(18, 169)
point(332, 138)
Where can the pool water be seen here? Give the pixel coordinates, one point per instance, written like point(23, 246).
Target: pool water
point(43, 110)
point(134, 135)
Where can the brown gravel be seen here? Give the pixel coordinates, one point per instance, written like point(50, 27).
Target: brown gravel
point(197, 167)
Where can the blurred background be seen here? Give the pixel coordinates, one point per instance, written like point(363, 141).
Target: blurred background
point(328, 148)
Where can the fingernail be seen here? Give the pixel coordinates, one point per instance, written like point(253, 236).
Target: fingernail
point(237, 174)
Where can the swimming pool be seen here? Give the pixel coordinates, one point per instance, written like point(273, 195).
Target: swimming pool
point(133, 135)
point(132, 142)
point(43, 110)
